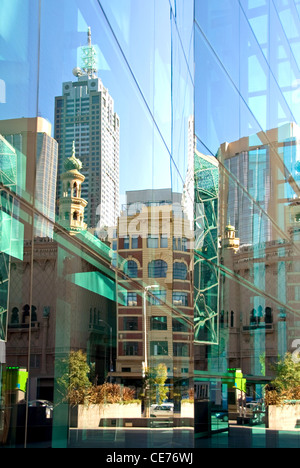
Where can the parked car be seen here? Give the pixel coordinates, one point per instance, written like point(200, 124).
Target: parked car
point(255, 411)
point(43, 403)
point(164, 410)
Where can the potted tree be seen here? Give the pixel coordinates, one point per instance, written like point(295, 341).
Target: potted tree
point(91, 403)
point(282, 396)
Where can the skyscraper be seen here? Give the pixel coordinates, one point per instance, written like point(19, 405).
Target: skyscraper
point(36, 166)
point(264, 174)
point(84, 113)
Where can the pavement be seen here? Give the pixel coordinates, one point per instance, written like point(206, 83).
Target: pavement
point(163, 438)
point(250, 437)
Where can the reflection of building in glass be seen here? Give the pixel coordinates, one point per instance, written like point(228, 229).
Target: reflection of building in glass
point(8, 179)
point(63, 285)
point(260, 174)
point(71, 205)
point(155, 256)
point(37, 171)
point(8, 164)
point(45, 321)
point(259, 194)
point(206, 274)
point(188, 189)
point(84, 113)
point(41, 319)
point(255, 308)
point(63, 292)
point(256, 261)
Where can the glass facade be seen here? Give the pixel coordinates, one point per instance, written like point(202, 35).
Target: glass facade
point(149, 172)
point(246, 214)
point(95, 101)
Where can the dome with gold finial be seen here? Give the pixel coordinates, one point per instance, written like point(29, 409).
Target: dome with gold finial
point(72, 163)
point(229, 227)
point(230, 240)
point(71, 204)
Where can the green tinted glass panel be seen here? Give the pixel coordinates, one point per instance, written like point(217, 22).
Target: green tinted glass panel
point(11, 236)
point(206, 274)
point(99, 284)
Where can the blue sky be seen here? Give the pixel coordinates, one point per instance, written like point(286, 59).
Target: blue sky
point(134, 64)
point(136, 57)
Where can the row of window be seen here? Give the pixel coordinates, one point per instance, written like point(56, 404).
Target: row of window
point(155, 242)
point(158, 297)
point(156, 323)
point(184, 370)
point(95, 100)
point(157, 348)
point(157, 269)
point(256, 316)
point(15, 317)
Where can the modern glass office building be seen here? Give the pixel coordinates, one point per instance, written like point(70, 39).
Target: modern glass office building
point(246, 119)
point(149, 236)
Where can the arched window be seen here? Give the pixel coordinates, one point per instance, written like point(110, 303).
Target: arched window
point(179, 271)
point(157, 269)
point(232, 319)
point(15, 315)
point(75, 194)
point(252, 317)
point(268, 315)
point(75, 216)
point(131, 269)
point(26, 313)
point(33, 314)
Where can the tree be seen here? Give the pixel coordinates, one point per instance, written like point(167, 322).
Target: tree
point(157, 377)
point(288, 375)
point(286, 385)
point(262, 361)
point(74, 382)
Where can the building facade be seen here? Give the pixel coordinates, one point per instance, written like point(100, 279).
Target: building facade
point(156, 326)
point(62, 287)
point(97, 301)
point(36, 167)
point(84, 113)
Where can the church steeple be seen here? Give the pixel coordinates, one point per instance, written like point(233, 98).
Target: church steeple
point(71, 205)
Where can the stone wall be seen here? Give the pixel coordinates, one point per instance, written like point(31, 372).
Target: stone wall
point(283, 418)
point(89, 417)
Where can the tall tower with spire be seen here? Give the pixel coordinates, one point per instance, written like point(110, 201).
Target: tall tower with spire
point(84, 113)
point(71, 205)
point(89, 59)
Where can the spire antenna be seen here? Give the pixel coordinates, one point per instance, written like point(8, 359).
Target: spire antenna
point(89, 57)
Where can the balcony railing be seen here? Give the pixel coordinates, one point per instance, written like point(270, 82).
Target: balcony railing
point(259, 326)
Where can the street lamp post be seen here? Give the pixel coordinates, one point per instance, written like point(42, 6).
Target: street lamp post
point(146, 289)
point(110, 353)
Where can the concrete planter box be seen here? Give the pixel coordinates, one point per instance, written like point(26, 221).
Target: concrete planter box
point(91, 417)
point(284, 418)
